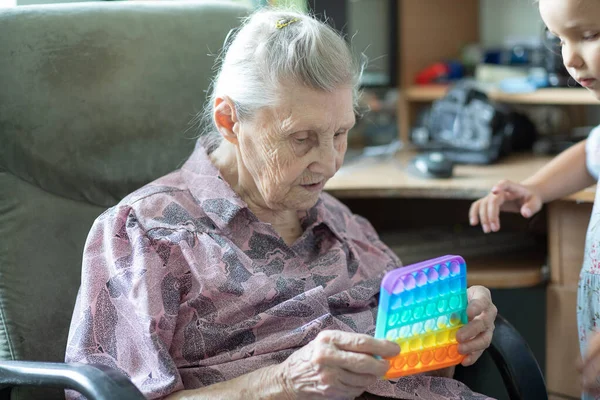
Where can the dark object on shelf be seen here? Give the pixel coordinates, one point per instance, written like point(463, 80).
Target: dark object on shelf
point(554, 145)
point(431, 165)
point(469, 128)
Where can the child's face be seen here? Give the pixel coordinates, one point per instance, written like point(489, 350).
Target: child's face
point(577, 24)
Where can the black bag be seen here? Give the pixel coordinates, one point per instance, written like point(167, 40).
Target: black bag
point(470, 129)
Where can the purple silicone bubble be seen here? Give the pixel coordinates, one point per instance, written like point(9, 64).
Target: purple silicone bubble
point(398, 287)
point(421, 278)
point(454, 268)
point(409, 282)
point(432, 275)
point(444, 272)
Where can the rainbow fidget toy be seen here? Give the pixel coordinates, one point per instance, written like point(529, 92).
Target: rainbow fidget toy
point(421, 307)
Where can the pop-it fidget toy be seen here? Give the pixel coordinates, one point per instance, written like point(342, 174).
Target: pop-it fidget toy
point(421, 307)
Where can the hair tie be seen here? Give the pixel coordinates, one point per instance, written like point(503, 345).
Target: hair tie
point(282, 23)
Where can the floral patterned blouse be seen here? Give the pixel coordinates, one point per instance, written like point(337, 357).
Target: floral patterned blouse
point(183, 287)
point(588, 294)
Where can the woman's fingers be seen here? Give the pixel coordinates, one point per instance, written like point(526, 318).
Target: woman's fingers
point(354, 362)
point(354, 380)
point(477, 344)
point(359, 343)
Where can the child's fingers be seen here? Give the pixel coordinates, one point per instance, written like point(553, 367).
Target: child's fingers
point(493, 210)
point(483, 215)
point(502, 186)
point(474, 213)
point(506, 186)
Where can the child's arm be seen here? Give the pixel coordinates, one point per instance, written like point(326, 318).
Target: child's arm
point(567, 173)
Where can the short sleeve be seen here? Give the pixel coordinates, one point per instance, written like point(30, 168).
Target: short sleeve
point(127, 305)
point(592, 152)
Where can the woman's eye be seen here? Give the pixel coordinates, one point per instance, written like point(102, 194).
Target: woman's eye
point(340, 133)
point(301, 139)
point(590, 36)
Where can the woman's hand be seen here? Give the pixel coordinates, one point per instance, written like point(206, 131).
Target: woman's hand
point(505, 196)
point(476, 336)
point(589, 367)
point(336, 365)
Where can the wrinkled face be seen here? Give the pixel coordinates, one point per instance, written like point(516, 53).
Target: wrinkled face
point(291, 150)
point(577, 24)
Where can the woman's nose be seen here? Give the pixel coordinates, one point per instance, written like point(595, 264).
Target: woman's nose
point(326, 164)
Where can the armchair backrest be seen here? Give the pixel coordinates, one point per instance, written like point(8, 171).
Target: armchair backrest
point(96, 100)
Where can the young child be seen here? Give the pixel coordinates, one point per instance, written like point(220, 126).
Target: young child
point(577, 24)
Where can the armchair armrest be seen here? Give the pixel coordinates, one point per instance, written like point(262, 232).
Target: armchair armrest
point(96, 382)
point(518, 367)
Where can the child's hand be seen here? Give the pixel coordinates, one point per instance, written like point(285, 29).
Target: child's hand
point(505, 196)
point(590, 366)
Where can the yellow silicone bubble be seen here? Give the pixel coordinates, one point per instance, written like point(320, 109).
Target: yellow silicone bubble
point(415, 344)
point(452, 335)
point(429, 340)
point(442, 337)
point(404, 347)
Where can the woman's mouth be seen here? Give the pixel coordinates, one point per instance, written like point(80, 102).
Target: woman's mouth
point(314, 187)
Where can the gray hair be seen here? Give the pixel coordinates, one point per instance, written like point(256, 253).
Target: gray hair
point(263, 55)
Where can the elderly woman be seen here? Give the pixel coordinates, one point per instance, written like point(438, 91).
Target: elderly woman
point(236, 277)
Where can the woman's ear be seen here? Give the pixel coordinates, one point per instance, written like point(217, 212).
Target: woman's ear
point(226, 119)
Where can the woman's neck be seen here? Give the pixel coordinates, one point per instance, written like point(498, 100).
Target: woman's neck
point(285, 222)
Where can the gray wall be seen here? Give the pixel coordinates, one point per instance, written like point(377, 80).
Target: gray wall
point(501, 19)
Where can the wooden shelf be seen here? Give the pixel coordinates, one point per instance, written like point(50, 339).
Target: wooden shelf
point(563, 96)
point(372, 177)
point(506, 271)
